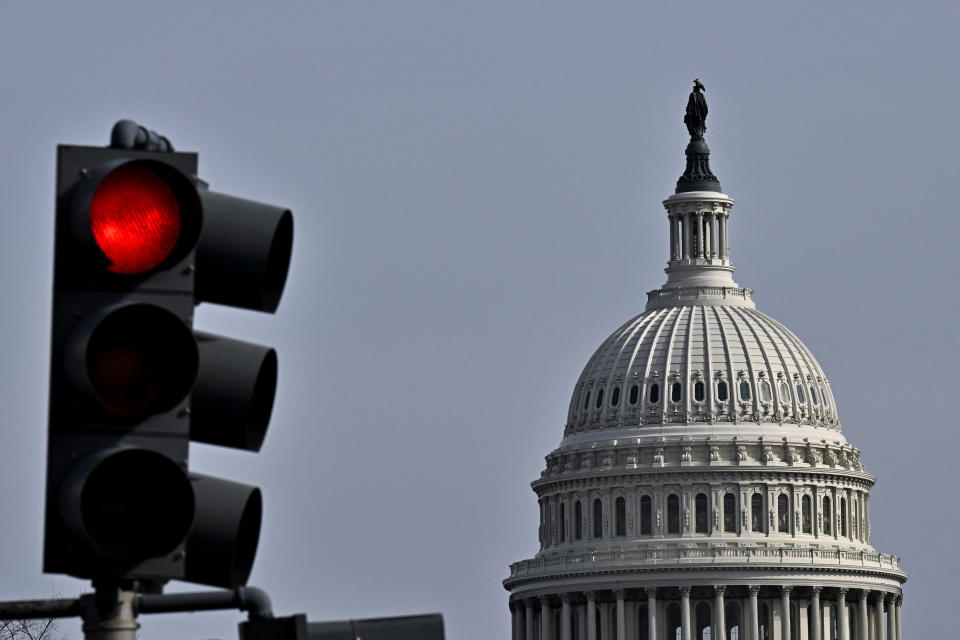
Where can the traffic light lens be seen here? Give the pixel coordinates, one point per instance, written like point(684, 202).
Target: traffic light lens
point(135, 218)
point(140, 360)
point(137, 503)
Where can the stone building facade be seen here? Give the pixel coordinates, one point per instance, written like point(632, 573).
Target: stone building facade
point(704, 488)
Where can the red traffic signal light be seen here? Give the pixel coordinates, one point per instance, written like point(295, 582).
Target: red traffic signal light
point(131, 384)
point(135, 219)
point(123, 364)
point(133, 216)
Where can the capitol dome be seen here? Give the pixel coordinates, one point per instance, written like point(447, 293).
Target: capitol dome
point(703, 364)
point(703, 489)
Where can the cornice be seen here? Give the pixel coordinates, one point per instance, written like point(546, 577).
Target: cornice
point(706, 576)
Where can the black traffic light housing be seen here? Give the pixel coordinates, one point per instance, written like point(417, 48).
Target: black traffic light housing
point(130, 382)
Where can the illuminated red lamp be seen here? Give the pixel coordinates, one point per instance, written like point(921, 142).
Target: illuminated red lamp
point(135, 219)
point(140, 215)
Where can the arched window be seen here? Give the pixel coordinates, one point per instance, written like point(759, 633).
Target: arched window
point(698, 391)
point(654, 393)
point(732, 619)
point(597, 518)
point(577, 520)
point(676, 392)
point(806, 514)
point(766, 394)
point(634, 394)
point(730, 513)
point(702, 518)
point(745, 391)
point(620, 509)
point(783, 513)
point(646, 516)
point(764, 615)
point(823, 396)
point(756, 513)
point(856, 518)
point(723, 394)
point(673, 513)
point(599, 398)
point(813, 395)
point(801, 396)
point(843, 517)
point(673, 620)
point(615, 396)
point(586, 401)
point(702, 621)
point(563, 522)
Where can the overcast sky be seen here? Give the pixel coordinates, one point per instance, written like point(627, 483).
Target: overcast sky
point(476, 188)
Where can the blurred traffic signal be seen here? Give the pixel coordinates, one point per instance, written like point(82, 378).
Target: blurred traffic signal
point(139, 242)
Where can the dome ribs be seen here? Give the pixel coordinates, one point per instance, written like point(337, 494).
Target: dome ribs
point(728, 360)
point(783, 363)
point(652, 350)
point(667, 380)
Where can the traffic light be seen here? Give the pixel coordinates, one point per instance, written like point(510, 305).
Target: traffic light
point(139, 241)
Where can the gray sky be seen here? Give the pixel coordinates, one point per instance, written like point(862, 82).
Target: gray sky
point(477, 190)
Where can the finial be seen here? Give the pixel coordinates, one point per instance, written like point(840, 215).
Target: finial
point(697, 176)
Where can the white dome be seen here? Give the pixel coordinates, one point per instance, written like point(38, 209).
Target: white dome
point(706, 363)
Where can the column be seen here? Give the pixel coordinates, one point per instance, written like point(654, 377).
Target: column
point(685, 224)
point(528, 620)
point(815, 613)
point(706, 228)
point(582, 621)
point(619, 594)
point(698, 248)
point(785, 608)
point(673, 236)
point(891, 618)
point(651, 613)
point(685, 631)
point(722, 232)
point(719, 613)
point(591, 615)
point(878, 617)
point(863, 626)
point(896, 607)
point(753, 614)
point(515, 609)
point(545, 618)
point(843, 623)
point(566, 631)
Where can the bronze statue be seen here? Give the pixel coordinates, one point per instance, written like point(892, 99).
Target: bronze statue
point(697, 176)
point(696, 116)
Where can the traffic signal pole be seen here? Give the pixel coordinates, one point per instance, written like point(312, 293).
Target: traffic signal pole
point(110, 613)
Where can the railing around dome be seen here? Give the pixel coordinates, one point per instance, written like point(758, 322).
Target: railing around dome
point(701, 292)
point(679, 557)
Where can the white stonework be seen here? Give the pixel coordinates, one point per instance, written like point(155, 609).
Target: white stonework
point(703, 481)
